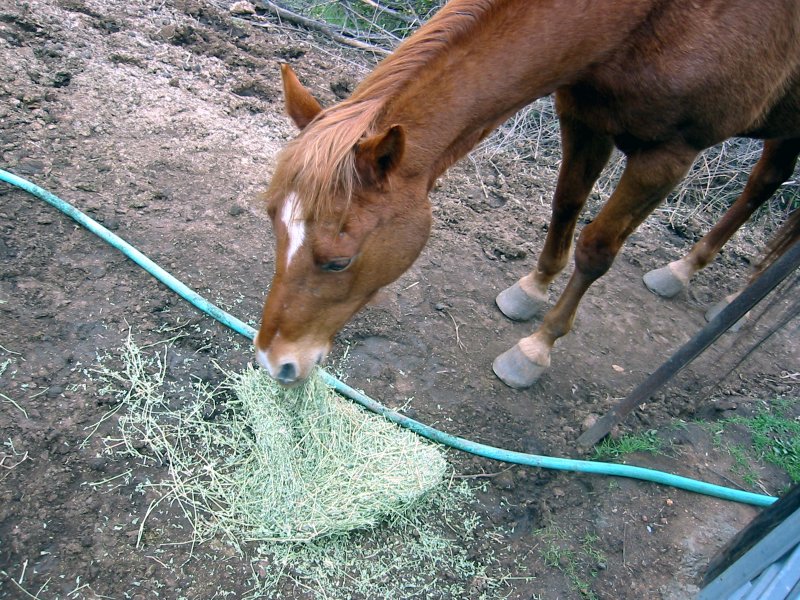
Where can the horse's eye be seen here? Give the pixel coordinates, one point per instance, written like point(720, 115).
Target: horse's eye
point(337, 264)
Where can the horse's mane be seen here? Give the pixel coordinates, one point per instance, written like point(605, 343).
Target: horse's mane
point(320, 163)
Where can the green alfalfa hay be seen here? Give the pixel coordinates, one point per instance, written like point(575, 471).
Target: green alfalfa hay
point(273, 464)
point(326, 465)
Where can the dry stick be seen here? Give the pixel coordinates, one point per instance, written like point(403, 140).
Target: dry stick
point(458, 337)
point(356, 33)
point(752, 295)
point(482, 475)
point(384, 35)
point(317, 26)
point(394, 13)
point(16, 464)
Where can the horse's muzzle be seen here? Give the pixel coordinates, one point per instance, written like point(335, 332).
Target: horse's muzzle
point(291, 364)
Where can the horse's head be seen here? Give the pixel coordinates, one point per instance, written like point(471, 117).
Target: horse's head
point(344, 228)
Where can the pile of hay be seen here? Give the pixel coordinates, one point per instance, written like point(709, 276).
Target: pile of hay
point(273, 464)
point(321, 465)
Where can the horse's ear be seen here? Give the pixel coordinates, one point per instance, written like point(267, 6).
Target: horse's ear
point(300, 104)
point(379, 155)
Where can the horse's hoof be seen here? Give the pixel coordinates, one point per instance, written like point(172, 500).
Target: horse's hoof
point(718, 308)
point(663, 282)
point(517, 370)
point(516, 304)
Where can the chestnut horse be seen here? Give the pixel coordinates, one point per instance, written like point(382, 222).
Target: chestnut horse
point(660, 79)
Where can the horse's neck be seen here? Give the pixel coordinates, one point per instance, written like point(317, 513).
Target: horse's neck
point(520, 51)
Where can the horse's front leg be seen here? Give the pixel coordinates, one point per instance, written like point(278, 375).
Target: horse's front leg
point(647, 179)
point(585, 153)
point(773, 168)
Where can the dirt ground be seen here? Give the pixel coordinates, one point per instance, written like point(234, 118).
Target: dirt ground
point(161, 120)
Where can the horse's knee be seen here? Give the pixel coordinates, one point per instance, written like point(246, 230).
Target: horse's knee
point(594, 254)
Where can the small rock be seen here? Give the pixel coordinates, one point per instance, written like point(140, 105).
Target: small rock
point(112, 224)
point(505, 481)
point(55, 391)
point(242, 8)
point(98, 464)
point(725, 404)
point(588, 422)
point(342, 88)
point(30, 167)
point(62, 79)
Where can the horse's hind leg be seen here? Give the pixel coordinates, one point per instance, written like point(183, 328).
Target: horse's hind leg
point(775, 166)
point(585, 153)
point(787, 235)
point(647, 179)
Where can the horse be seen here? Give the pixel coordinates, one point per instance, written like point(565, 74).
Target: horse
point(659, 79)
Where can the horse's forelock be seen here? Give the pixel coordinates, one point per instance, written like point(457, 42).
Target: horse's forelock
point(319, 165)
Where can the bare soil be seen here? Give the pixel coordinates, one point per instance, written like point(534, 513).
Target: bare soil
point(161, 120)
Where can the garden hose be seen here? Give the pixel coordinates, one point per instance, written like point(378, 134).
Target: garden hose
point(509, 456)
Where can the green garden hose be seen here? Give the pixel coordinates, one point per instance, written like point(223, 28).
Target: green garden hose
point(532, 460)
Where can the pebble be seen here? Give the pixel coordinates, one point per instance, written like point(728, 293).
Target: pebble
point(242, 8)
point(505, 481)
point(98, 464)
point(588, 422)
point(55, 391)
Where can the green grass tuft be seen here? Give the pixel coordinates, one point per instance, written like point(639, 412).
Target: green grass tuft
point(575, 558)
point(776, 436)
point(628, 444)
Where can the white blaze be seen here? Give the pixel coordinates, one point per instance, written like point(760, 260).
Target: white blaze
point(295, 226)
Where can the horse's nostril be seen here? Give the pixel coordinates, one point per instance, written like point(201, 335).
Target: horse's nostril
point(287, 374)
